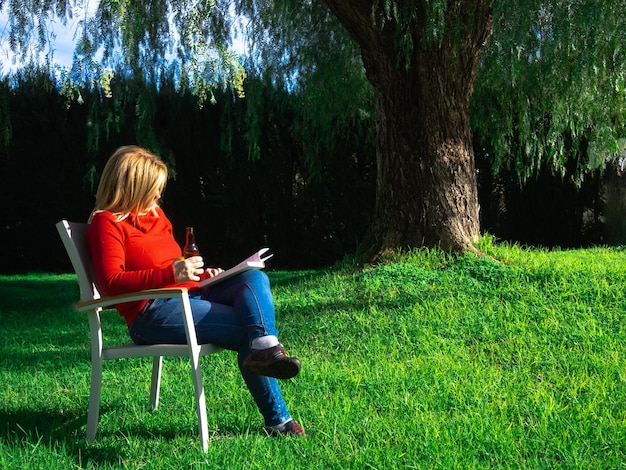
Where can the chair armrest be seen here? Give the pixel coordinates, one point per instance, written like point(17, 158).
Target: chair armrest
point(163, 293)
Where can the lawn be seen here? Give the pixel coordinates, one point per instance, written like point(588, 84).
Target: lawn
point(424, 361)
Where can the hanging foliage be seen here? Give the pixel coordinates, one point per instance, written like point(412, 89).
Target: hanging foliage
point(551, 82)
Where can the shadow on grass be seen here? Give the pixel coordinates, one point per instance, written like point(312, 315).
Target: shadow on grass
point(62, 432)
point(288, 278)
point(38, 324)
point(33, 425)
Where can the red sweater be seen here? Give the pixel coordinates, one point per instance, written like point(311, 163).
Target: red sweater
point(134, 254)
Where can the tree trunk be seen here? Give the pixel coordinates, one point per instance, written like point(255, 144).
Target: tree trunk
point(426, 186)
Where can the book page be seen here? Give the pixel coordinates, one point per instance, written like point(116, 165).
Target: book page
point(255, 261)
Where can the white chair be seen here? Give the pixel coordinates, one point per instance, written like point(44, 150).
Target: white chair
point(74, 236)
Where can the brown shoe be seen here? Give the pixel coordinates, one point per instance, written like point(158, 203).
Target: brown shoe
point(290, 428)
point(272, 362)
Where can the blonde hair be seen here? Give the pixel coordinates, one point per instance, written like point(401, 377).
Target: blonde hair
point(132, 182)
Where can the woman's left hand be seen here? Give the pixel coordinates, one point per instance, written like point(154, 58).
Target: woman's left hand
point(212, 272)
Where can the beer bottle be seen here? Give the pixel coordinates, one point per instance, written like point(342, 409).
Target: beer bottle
point(191, 249)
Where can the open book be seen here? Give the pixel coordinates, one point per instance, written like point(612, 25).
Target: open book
point(255, 261)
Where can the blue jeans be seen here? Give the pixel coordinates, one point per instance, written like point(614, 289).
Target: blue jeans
point(230, 315)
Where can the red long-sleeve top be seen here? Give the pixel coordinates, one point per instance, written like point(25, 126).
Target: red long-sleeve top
point(133, 254)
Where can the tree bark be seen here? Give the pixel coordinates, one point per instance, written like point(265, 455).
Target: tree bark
point(426, 185)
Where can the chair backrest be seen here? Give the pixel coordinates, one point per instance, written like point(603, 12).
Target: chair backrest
point(74, 237)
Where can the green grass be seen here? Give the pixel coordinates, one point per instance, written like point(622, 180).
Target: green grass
point(429, 361)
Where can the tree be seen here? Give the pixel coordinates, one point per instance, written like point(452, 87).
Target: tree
point(420, 59)
point(549, 82)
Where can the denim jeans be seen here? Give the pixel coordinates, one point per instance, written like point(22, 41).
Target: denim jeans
point(230, 315)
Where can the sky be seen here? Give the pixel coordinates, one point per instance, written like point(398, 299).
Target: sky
point(62, 45)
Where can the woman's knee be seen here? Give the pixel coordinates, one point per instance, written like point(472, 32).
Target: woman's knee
point(255, 277)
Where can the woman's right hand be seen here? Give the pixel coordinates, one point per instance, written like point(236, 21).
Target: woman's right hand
point(188, 269)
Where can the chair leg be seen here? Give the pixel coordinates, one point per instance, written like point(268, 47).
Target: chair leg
point(94, 399)
point(155, 387)
point(200, 400)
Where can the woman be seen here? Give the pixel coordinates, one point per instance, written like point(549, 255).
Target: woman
point(133, 248)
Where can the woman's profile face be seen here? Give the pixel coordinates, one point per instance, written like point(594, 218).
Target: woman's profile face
point(152, 199)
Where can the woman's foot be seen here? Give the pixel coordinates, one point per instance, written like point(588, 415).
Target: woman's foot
point(272, 362)
point(290, 428)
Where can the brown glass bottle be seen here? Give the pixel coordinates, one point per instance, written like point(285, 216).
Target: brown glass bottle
point(191, 249)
